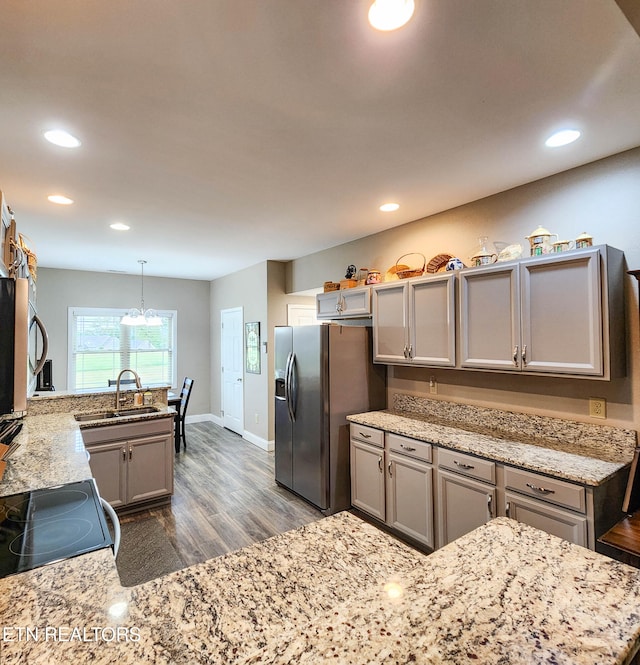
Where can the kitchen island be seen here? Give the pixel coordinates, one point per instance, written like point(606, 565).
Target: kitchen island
point(338, 589)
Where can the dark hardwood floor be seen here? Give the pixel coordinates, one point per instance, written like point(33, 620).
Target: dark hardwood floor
point(225, 497)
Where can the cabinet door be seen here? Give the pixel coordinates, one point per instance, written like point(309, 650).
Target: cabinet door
point(390, 318)
point(464, 504)
point(109, 468)
point(432, 320)
point(355, 302)
point(562, 315)
point(410, 497)
point(327, 305)
point(490, 318)
point(367, 478)
point(150, 468)
point(545, 517)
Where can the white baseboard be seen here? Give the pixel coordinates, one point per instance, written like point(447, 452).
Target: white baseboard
point(203, 418)
point(258, 441)
point(247, 436)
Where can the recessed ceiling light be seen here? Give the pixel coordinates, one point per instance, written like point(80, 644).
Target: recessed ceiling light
point(563, 137)
point(62, 138)
point(119, 226)
point(390, 14)
point(389, 207)
point(60, 200)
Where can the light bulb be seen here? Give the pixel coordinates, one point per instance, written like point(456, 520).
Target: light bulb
point(390, 14)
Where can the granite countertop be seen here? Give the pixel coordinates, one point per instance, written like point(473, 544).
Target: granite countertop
point(337, 590)
point(577, 459)
point(51, 450)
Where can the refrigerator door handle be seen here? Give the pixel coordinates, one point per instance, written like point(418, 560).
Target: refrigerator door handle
point(292, 392)
point(287, 385)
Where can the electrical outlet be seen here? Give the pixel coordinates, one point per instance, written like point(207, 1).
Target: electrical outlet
point(257, 419)
point(433, 385)
point(597, 407)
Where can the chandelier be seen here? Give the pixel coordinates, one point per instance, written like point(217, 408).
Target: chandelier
point(142, 316)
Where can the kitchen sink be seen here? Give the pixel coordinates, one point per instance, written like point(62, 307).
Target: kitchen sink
point(106, 415)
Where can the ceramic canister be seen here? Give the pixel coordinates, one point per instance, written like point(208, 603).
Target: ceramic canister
point(563, 245)
point(374, 277)
point(584, 240)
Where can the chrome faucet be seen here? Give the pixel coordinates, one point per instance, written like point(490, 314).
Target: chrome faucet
point(119, 399)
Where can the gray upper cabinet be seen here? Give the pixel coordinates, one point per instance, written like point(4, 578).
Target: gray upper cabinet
point(414, 321)
point(344, 304)
point(489, 318)
point(560, 314)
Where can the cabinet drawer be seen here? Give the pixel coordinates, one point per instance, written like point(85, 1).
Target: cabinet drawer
point(549, 489)
point(410, 447)
point(468, 465)
point(368, 434)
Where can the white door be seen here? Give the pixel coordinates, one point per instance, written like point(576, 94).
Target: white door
point(301, 315)
point(232, 369)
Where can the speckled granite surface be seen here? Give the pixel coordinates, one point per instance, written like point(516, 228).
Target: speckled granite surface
point(81, 402)
point(340, 590)
point(51, 450)
point(583, 453)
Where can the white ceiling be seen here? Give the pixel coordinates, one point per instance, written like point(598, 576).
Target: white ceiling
point(227, 132)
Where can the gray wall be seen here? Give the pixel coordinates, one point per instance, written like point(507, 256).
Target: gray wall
point(602, 198)
point(57, 290)
point(260, 291)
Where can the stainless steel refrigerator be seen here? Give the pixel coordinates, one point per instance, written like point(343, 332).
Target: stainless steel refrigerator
point(322, 374)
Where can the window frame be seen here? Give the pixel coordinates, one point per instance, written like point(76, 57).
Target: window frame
point(74, 312)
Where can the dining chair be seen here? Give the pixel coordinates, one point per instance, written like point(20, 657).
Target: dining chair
point(181, 412)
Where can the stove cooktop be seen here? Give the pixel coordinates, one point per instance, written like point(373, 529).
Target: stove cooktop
point(47, 525)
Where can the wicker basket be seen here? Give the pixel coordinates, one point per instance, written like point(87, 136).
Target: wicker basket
point(410, 272)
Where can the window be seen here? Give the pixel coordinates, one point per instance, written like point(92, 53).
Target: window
point(100, 347)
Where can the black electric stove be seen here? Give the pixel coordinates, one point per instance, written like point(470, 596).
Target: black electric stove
point(46, 525)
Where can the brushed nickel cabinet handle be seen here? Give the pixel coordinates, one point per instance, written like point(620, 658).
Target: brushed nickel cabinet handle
point(390, 474)
point(524, 354)
point(507, 510)
point(410, 351)
point(409, 448)
point(124, 455)
point(364, 436)
point(542, 490)
point(462, 465)
point(515, 355)
point(380, 464)
point(490, 505)
point(130, 452)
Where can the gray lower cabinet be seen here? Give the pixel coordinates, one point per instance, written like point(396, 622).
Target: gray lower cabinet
point(546, 517)
point(108, 464)
point(463, 505)
point(394, 484)
point(409, 488)
point(392, 479)
point(367, 478)
point(367, 470)
point(132, 463)
point(553, 505)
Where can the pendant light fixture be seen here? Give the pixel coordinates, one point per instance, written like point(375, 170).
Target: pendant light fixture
point(390, 14)
point(142, 316)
